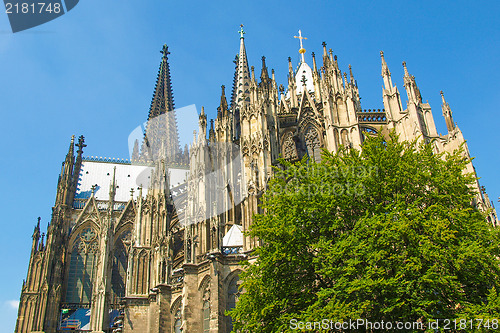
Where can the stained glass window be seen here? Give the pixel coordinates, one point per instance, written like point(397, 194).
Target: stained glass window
point(82, 267)
point(232, 297)
point(178, 322)
point(313, 144)
point(120, 263)
point(206, 311)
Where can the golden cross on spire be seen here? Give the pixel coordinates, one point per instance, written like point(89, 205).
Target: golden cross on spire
point(302, 50)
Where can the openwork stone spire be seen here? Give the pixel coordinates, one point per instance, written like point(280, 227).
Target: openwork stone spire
point(161, 129)
point(243, 73)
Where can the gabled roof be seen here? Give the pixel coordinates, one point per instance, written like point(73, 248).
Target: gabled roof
point(234, 237)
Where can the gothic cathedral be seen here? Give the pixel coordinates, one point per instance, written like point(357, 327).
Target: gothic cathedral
point(155, 244)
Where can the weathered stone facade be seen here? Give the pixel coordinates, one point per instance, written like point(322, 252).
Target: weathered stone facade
point(167, 258)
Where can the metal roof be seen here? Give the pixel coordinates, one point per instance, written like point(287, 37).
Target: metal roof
point(127, 177)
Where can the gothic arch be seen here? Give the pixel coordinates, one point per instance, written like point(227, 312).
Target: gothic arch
point(176, 304)
point(344, 137)
point(231, 275)
point(176, 312)
point(312, 142)
point(77, 229)
point(82, 259)
point(121, 253)
point(232, 283)
point(288, 146)
point(204, 282)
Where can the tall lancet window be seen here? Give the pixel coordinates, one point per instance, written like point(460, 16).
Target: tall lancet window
point(313, 144)
point(233, 294)
point(289, 147)
point(120, 263)
point(178, 321)
point(206, 311)
point(82, 267)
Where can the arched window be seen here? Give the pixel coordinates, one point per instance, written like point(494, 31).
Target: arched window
point(313, 144)
point(178, 321)
point(82, 267)
point(206, 311)
point(120, 264)
point(233, 294)
point(289, 147)
point(345, 137)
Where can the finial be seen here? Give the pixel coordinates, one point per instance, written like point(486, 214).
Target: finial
point(164, 50)
point(241, 32)
point(381, 54)
point(132, 192)
point(302, 50)
point(202, 111)
point(282, 89)
point(38, 224)
point(223, 89)
point(289, 59)
point(406, 69)
point(324, 44)
point(350, 72)
point(93, 188)
point(303, 80)
point(81, 144)
point(442, 97)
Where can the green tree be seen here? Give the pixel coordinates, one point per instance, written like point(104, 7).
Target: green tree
point(386, 233)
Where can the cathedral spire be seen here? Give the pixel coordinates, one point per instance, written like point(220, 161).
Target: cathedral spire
point(242, 83)
point(163, 100)
point(162, 122)
point(448, 116)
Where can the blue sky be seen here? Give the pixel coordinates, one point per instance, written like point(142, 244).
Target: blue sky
point(92, 72)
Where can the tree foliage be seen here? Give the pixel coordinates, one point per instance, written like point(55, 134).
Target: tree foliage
point(386, 233)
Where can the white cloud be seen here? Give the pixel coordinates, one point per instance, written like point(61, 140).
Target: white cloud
point(14, 304)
